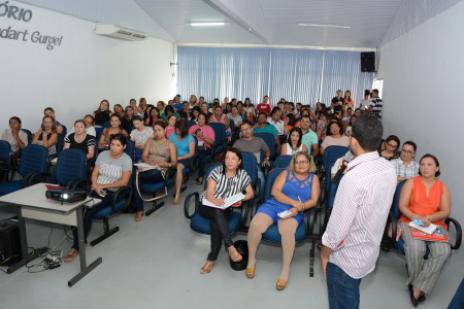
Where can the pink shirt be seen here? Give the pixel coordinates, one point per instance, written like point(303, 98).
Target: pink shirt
point(206, 130)
point(169, 131)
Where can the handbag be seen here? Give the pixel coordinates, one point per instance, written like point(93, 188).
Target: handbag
point(143, 167)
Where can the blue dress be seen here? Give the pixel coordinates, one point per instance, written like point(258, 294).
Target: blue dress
point(294, 189)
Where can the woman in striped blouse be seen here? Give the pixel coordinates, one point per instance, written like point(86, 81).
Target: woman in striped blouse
point(223, 182)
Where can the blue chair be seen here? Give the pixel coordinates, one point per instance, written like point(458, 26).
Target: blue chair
point(148, 191)
point(219, 138)
point(200, 224)
point(282, 161)
point(130, 149)
point(71, 169)
point(60, 142)
point(270, 141)
point(331, 154)
point(33, 166)
point(29, 135)
point(250, 165)
point(5, 160)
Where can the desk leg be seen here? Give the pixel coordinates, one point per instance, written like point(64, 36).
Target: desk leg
point(82, 258)
point(25, 256)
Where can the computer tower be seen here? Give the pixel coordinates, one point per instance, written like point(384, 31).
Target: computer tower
point(10, 247)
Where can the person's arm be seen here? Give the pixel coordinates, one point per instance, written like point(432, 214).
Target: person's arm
point(279, 195)
point(210, 191)
point(146, 153)
point(59, 129)
point(405, 197)
point(315, 191)
point(445, 207)
point(191, 152)
point(172, 156)
point(90, 152)
point(304, 148)
point(120, 183)
point(208, 140)
point(19, 142)
point(315, 150)
point(102, 141)
point(283, 149)
point(35, 140)
point(49, 142)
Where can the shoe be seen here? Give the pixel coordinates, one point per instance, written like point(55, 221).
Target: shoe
point(236, 257)
point(250, 272)
point(71, 256)
point(414, 301)
point(281, 284)
point(139, 216)
point(207, 268)
point(176, 200)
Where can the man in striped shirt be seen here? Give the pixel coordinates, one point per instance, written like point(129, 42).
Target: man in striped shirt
point(351, 241)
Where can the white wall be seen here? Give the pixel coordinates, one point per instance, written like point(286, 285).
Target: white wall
point(423, 73)
point(74, 77)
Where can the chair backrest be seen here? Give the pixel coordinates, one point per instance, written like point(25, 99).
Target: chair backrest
point(271, 177)
point(208, 171)
point(395, 208)
point(5, 150)
point(34, 158)
point(191, 123)
point(29, 135)
point(283, 161)
point(269, 139)
point(71, 165)
point(331, 154)
point(219, 133)
point(130, 149)
point(60, 142)
point(250, 165)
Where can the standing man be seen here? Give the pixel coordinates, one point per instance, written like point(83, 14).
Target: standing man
point(351, 241)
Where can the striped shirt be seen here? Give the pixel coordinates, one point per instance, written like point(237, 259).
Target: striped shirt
point(229, 186)
point(359, 214)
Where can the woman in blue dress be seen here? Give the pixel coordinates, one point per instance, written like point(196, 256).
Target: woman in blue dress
point(297, 190)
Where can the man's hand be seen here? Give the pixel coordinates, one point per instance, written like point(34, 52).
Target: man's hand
point(325, 253)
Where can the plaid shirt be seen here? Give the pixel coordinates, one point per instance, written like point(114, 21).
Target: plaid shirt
point(406, 171)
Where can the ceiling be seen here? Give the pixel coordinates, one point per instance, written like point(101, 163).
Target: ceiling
point(264, 22)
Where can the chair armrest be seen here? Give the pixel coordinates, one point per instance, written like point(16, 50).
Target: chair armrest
point(458, 229)
point(121, 193)
point(195, 198)
point(33, 178)
point(394, 226)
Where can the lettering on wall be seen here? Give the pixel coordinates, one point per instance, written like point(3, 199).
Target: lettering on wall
point(12, 12)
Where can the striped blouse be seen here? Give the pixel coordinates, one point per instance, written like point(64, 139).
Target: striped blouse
point(229, 186)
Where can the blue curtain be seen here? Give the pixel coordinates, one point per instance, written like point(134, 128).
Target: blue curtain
point(299, 75)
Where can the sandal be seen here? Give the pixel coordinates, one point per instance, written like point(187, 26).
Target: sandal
point(207, 268)
point(139, 216)
point(71, 256)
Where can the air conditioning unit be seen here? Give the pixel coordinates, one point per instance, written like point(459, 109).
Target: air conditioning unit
point(117, 32)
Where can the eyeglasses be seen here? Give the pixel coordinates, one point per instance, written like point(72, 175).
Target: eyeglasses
point(407, 151)
point(302, 162)
point(392, 145)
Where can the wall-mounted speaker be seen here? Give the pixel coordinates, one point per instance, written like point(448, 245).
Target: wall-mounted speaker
point(368, 62)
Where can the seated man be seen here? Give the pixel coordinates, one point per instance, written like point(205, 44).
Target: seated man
point(309, 136)
point(254, 145)
point(15, 136)
point(405, 165)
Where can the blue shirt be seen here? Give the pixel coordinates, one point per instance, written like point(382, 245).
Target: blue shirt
point(182, 146)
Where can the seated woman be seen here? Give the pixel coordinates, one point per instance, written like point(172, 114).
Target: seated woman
point(90, 125)
point(115, 128)
point(235, 116)
point(295, 189)
point(224, 181)
point(49, 111)
point(48, 136)
point(81, 140)
point(392, 143)
point(140, 134)
point(218, 116)
point(160, 153)
point(171, 127)
point(102, 114)
point(185, 146)
point(335, 136)
point(294, 144)
point(112, 171)
point(15, 136)
point(427, 199)
point(205, 137)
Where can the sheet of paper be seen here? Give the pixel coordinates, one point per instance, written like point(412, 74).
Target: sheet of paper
point(227, 202)
point(426, 229)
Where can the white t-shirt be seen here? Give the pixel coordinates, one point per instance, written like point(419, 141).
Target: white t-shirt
point(8, 136)
point(140, 137)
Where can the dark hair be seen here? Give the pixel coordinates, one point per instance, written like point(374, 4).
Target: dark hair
point(15, 118)
point(368, 131)
point(132, 100)
point(182, 126)
point(275, 110)
point(137, 117)
point(367, 92)
point(160, 123)
point(428, 155)
point(393, 138)
point(167, 109)
point(237, 153)
point(295, 129)
point(79, 121)
point(49, 109)
point(204, 115)
point(375, 90)
point(262, 113)
point(93, 118)
point(244, 123)
point(291, 119)
point(412, 144)
point(117, 116)
point(338, 123)
point(120, 137)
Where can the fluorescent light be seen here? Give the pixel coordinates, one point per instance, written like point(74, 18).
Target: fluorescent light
point(323, 26)
point(207, 24)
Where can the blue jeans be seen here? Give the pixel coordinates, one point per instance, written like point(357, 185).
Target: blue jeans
point(343, 290)
point(458, 299)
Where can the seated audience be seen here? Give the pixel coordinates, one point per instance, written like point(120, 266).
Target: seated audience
point(294, 144)
point(289, 123)
point(143, 105)
point(152, 115)
point(102, 114)
point(185, 147)
point(309, 136)
point(81, 140)
point(115, 128)
point(392, 143)
point(15, 136)
point(205, 141)
point(140, 134)
point(90, 125)
point(262, 126)
point(405, 165)
point(160, 153)
point(235, 116)
point(218, 116)
point(49, 111)
point(47, 135)
point(224, 181)
point(276, 120)
point(112, 171)
point(427, 199)
point(127, 121)
point(335, 136)
point(295, 189)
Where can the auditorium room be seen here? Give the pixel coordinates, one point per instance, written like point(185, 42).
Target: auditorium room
point(231, 153)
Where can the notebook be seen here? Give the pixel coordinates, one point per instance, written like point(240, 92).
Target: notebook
point(227, 202)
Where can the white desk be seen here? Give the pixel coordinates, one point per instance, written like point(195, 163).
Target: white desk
point(34, 205)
